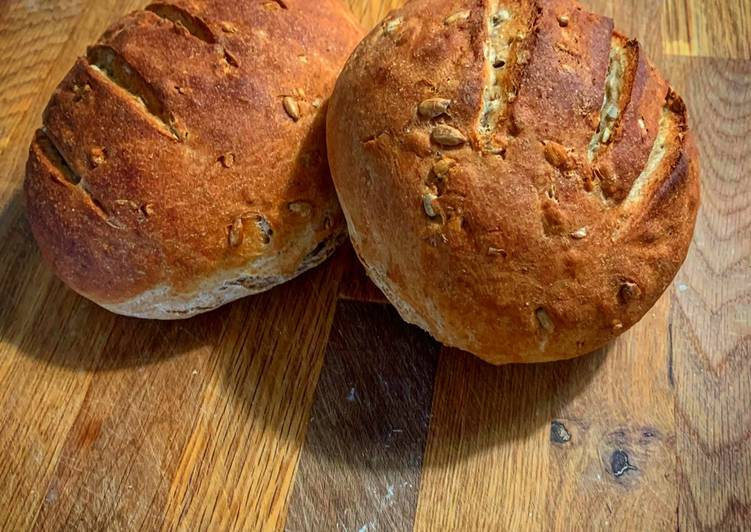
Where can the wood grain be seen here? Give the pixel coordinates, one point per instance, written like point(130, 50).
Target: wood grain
point(595, 435)
point(711, 319)
point(362, 458)
point(144, 423)
point(236, 470)
point(31, 41)
point(708, 28)
point(41, 319)
point(143, 418)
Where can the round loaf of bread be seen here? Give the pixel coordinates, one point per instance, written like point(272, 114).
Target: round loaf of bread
point(182, 163)
point(517, 177)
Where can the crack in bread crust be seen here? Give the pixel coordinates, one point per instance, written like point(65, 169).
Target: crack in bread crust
point(666, 154)
point(181, 17)
point(656, 157)
point(663, 155)
point(508, 27)
point(196, 26)
point(619, 82)
point(108, 64)
point(57, 159)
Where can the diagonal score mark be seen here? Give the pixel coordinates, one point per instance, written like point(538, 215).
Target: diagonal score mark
point(619, 84)
point(48, 148)
point(106, 62)
point(180, 17)
point(194, 25)
point(509, 34)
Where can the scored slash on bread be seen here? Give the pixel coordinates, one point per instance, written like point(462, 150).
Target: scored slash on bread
point(547, 205)
point(168, 178)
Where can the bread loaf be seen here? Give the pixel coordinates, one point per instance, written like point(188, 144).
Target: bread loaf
point(182, 162)
point(517, 177)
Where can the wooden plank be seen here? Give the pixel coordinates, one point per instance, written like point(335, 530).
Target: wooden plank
point(237, 468)
point(121, 452)
point(40, 398)
point(360, 468)
point(711, 325)
point(32, 37)
point(708, 28)
point(486, 457)
point(612, 446)
point(40, 320)
point(196, 424)
point(595, 435)
point(142, 384)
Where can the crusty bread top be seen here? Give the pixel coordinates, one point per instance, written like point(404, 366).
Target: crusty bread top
point(190, 140)
point(517, 176)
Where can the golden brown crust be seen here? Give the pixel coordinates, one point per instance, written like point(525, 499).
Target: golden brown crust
point(187, 162)
point(507, 234)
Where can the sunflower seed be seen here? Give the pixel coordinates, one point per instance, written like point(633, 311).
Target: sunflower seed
point(447, 136)
point(275, 4)
point(264, 227)
point(390, 25)
point(579, 234)
point(126, 203)
point(97, 157)
point(301, 208)
point(545, 321)
point(629, 291)
point(236, 233)
point(227, 160)
point(500, 17)
point(433, 107)
point(442, 168)
point(148, 210)
point(456, 17)
point(556, 154)
point(427, 202)
point(228, 27)
point(292, 108)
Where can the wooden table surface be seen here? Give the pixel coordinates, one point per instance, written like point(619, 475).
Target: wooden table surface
point(313, 407)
